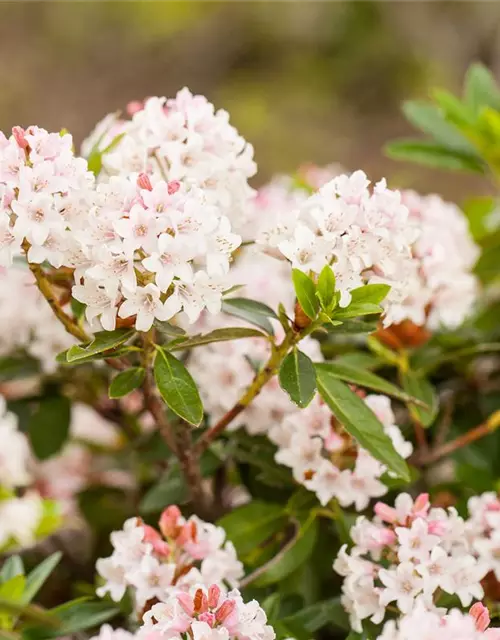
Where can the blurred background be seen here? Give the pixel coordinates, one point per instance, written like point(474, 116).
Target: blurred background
point(304, 81)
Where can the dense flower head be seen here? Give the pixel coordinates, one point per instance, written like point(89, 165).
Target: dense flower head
point(45, 191)
point(438, 625)
point(327, 460)
point(407, 553)
point(153, 249)
point(27, 322)
point(364, 235)
point(446, 254)
point(206, 613)
point(154, 563)
point(183, 139)
point(483, 529)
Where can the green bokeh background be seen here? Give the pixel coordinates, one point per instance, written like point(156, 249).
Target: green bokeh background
point(304, 81)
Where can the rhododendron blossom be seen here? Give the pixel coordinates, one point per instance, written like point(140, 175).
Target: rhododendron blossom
point(408, 552)
point(483, 529)
point(155, 564)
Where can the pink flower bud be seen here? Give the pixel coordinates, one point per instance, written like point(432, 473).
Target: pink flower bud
point(173, 187)
point(225, 610)
point(387, 537)
point(207, 617)
point(481, 616)
point(18, 133)
point(213, 596)
point(437, 528)
point(134, 106)
point(493, 506)
point(168, 521)
point(186, 602)
point(421, 505)
point(144, 182)
point(386, 513)
point(200, 602)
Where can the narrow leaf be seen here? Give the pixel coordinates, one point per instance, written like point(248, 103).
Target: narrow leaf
point(370, 293)
point(419, 387)
point(218, 335)
point(126, 381)
point(432, 154)
point(481, 89)
point(38, 576)
point(252, 311)
point(12, 567)
point(103, 341)
point(360, 422)
point(305, 290)
point(177, 387)
point(298, 378)
point(325, 289)
point(48, 427)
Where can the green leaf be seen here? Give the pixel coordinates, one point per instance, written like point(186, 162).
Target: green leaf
point(12, 567)
point(430, 120)
point(48, 427)
point(252, 524)
point(325, 289)
point(169, 329)
point(356, 309)
point(126, 381)
point(103, 341)
point(479, 213)
point(11, 591)
point(112, 353)
point(305, 290)
point(318, 615)
point(419, 387)
point(353, 326)
point(298, 378)
point(370, 293)
point(78, 615)
point(252, 311)
point(38, 576)
point(481, 89)
point(177, 387)
point(362, 378)
point(455, 111)
point(14, 367)
point(432, 154)
point(218, 335)
point(360, 422)
point(295, 553)
point(50, 520)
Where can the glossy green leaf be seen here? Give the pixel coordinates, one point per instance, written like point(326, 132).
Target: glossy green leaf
point(39, 575)
point(103, 341)
point(298, 378)
point(356, 309)
point(169, 329)
point(48, 427)
point(360, 422)
point(419, 387)
point(177, 387)
point(305, 290)
point(218, 335)
point(252, 311)
point(362, 378)
point(126, 381)
point(434, 155)
point(325, 288)
point(252, 524)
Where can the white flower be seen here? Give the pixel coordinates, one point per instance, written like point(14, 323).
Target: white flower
point(145, 303)
point(402, 585)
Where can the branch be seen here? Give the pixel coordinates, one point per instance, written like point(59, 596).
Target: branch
point(478, 432)
point(260, 379)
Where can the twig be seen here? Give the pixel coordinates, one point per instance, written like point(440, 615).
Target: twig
point(478, 432)
point(190, 465)
point(260, 379)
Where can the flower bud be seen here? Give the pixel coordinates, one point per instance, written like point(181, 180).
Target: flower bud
point(481, 616)
point(144, 182)
point(213, 596)
point(168, 521)
point(134, 106)
point(386, 513)
point(200, 602)
point(173, 187)
point(18, 133)
point(186, 602)
point(225, 610)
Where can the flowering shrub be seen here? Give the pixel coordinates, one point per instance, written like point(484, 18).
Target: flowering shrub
point(206, 388)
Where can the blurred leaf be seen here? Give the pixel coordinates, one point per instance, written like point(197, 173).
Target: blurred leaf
point(454, 110)
point(430, 120)
point(252, 524)
point(49, 426)
point(73, 617)
point(297, 377)
point(432, 154)
point(126, 381)
point(177, 387)
point(13, 367)
point(305, 290)
point(38, 576)
point(362, 378)
point(252, 311)
point(360, 422)
point(478, 211)
point(218, 335)
point(320, 614)
point(419, 387)
point(50, 520)
point(103, 341)
point(359, 360)
point(12, 567)
point(481, 89)
point(10, 592)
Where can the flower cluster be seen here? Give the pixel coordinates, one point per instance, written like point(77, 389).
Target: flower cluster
point(446, 254)
point(207, 614)
point(365, 235)
point(181, 139)
point(44, 192)
point(408, 552)
point(155, 564)
point(483, 529)
point(434, 625)
point(27, 322)
point(327, 460)
point(20, 515)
